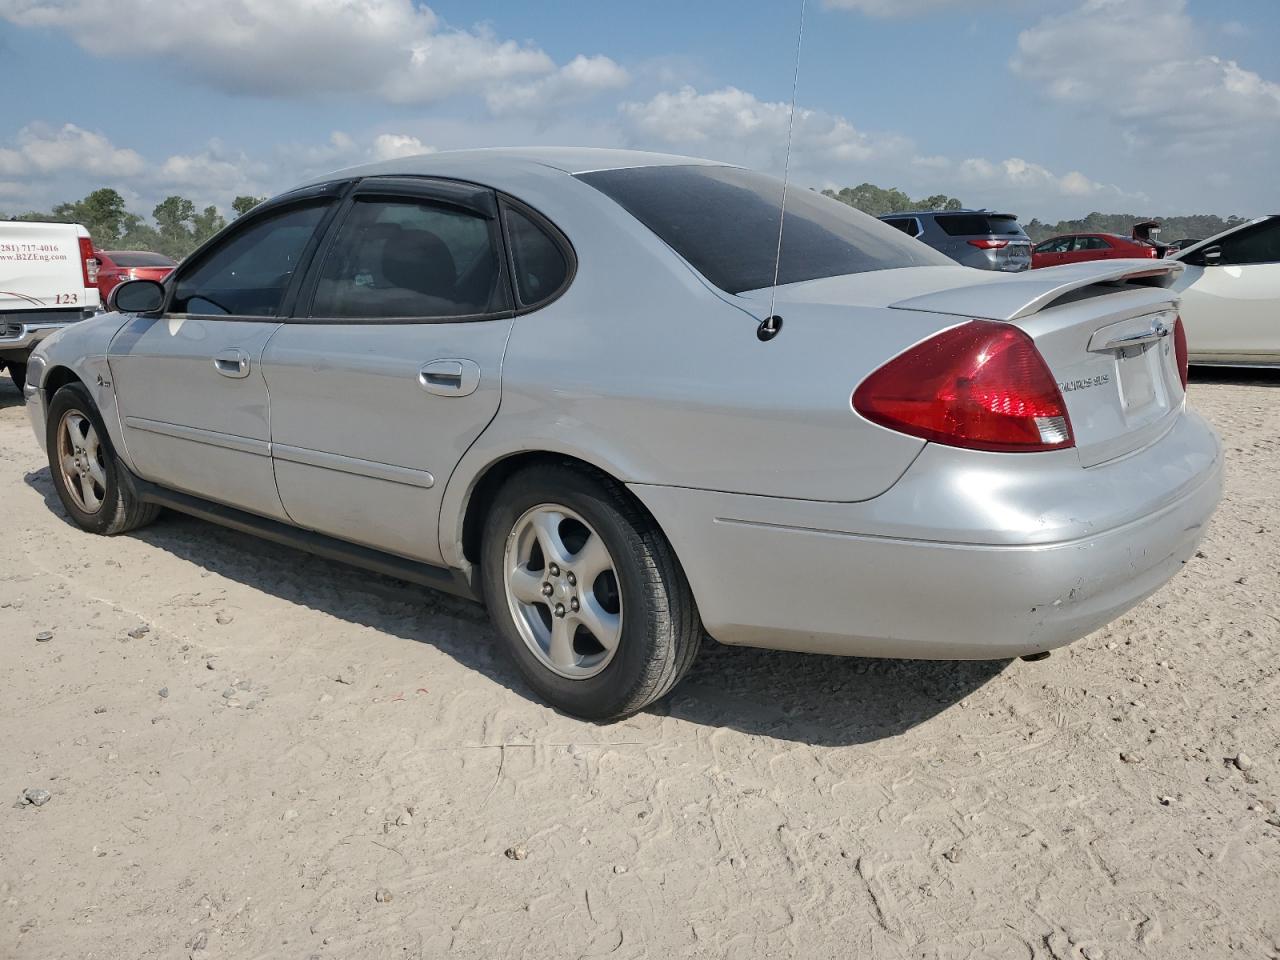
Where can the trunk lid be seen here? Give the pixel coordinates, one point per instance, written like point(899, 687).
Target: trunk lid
point(1105, 328)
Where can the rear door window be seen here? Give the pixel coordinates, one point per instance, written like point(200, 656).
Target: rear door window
point(249, 272)
point(411, 258)
point(978, 224)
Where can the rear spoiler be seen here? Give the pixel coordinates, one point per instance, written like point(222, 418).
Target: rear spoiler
point(1014, 296)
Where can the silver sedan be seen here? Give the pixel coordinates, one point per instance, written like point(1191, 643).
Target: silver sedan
point(565, 382)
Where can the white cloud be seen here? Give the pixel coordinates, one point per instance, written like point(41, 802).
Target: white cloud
point(394, 49)
point(40, 149)
point(580, 77)
point(1141, 65)
point(734, 124)
point(731, 124)
point(389, 146)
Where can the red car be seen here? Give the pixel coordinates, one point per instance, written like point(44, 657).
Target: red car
point(117, 266)
point(1075, 247)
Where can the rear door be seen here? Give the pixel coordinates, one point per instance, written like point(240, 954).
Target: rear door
point(392, 366)
point(1231, 307)
point(1052, 252)
point(189, 382)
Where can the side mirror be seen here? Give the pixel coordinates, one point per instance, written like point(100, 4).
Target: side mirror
point(1211, 256)
point(137, 296)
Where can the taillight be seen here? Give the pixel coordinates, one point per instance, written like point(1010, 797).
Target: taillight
point(88, 262)
point(989, 244)
point(1180, 351)
point(981, 385)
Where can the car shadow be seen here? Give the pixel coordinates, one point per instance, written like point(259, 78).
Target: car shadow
point(1239, 376)
point(819, 700)
point(10, 395)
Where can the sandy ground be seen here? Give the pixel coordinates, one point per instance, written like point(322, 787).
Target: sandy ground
point(301, 760)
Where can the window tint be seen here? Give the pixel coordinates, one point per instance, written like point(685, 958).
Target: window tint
point(1257, 244)
point(411, 258)
point(724, 221)
point(138, 258)
point(248, 273)
point(907, 225)
point(1056, 245)
point(540, 266)
point(1091, 243)
point(978, 224)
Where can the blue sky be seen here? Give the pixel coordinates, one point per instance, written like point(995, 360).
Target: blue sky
point(1050, 108)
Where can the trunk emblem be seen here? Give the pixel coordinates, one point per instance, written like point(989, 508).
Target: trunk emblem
point(1068, 386)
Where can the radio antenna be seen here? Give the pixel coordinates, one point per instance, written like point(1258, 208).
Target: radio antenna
point(773, 323)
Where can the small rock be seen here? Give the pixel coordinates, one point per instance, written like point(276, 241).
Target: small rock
point(242, 685)
point(200, 940)
point(383, 895)
point(44, 636)
point(1165, 801)
point(228, 693)
point(1111, 645)
point(953, 855)
point(36, 796)
point(1242, 761)
point(370, 810)
point(290, 815)
point(164, 692)
point(1126, 757)
point(208, 664)
point(99, 709)
point(137, 633)
point(223, 618)
point(619, 868)
point(404, 820)
point(516, 853)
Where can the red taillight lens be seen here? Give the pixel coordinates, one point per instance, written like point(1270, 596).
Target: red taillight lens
point(88, 262)
point(981, 385)
point(1180, 351)
point(989, 244)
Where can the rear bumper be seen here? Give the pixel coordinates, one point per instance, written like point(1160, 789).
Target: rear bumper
point(967, 571)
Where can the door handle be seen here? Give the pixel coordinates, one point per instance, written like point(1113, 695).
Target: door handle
point(449, 378)
point(232, 363)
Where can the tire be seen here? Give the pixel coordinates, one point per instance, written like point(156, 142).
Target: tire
point(658, 630)
point(118, 509)
point(18, 371)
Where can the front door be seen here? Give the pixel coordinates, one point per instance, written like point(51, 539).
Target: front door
point(1231, 304)
point(391, 367)
point(189, 382)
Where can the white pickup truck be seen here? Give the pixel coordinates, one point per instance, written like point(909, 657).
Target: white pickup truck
point(48, 278)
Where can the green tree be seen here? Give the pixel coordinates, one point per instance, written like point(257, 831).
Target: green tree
point(243, 204)
point(871, 199)
point(205, 224)
point(173, 216)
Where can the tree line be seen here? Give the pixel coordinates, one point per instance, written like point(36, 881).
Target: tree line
point(879, 201)
point(176, 226)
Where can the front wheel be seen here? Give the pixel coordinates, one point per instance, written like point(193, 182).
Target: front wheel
point(586, 592)
point(88, 478)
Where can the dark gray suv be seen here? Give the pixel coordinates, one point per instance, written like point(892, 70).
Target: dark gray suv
point(976, 238)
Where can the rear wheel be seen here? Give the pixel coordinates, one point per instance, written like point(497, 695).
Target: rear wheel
point(18, 371)
point(586, 592)
point(85, 471)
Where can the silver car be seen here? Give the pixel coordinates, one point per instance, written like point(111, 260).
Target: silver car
point(549, 379)
point(975, 238)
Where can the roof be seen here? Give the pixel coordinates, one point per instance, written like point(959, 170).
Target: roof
point(458, 163)
point(945, 213)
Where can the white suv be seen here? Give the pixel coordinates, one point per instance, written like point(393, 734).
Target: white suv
point(48, 278)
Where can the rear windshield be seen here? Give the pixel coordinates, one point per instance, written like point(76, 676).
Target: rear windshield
point(979, 224)
point(724, 221)
point(135, 258)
